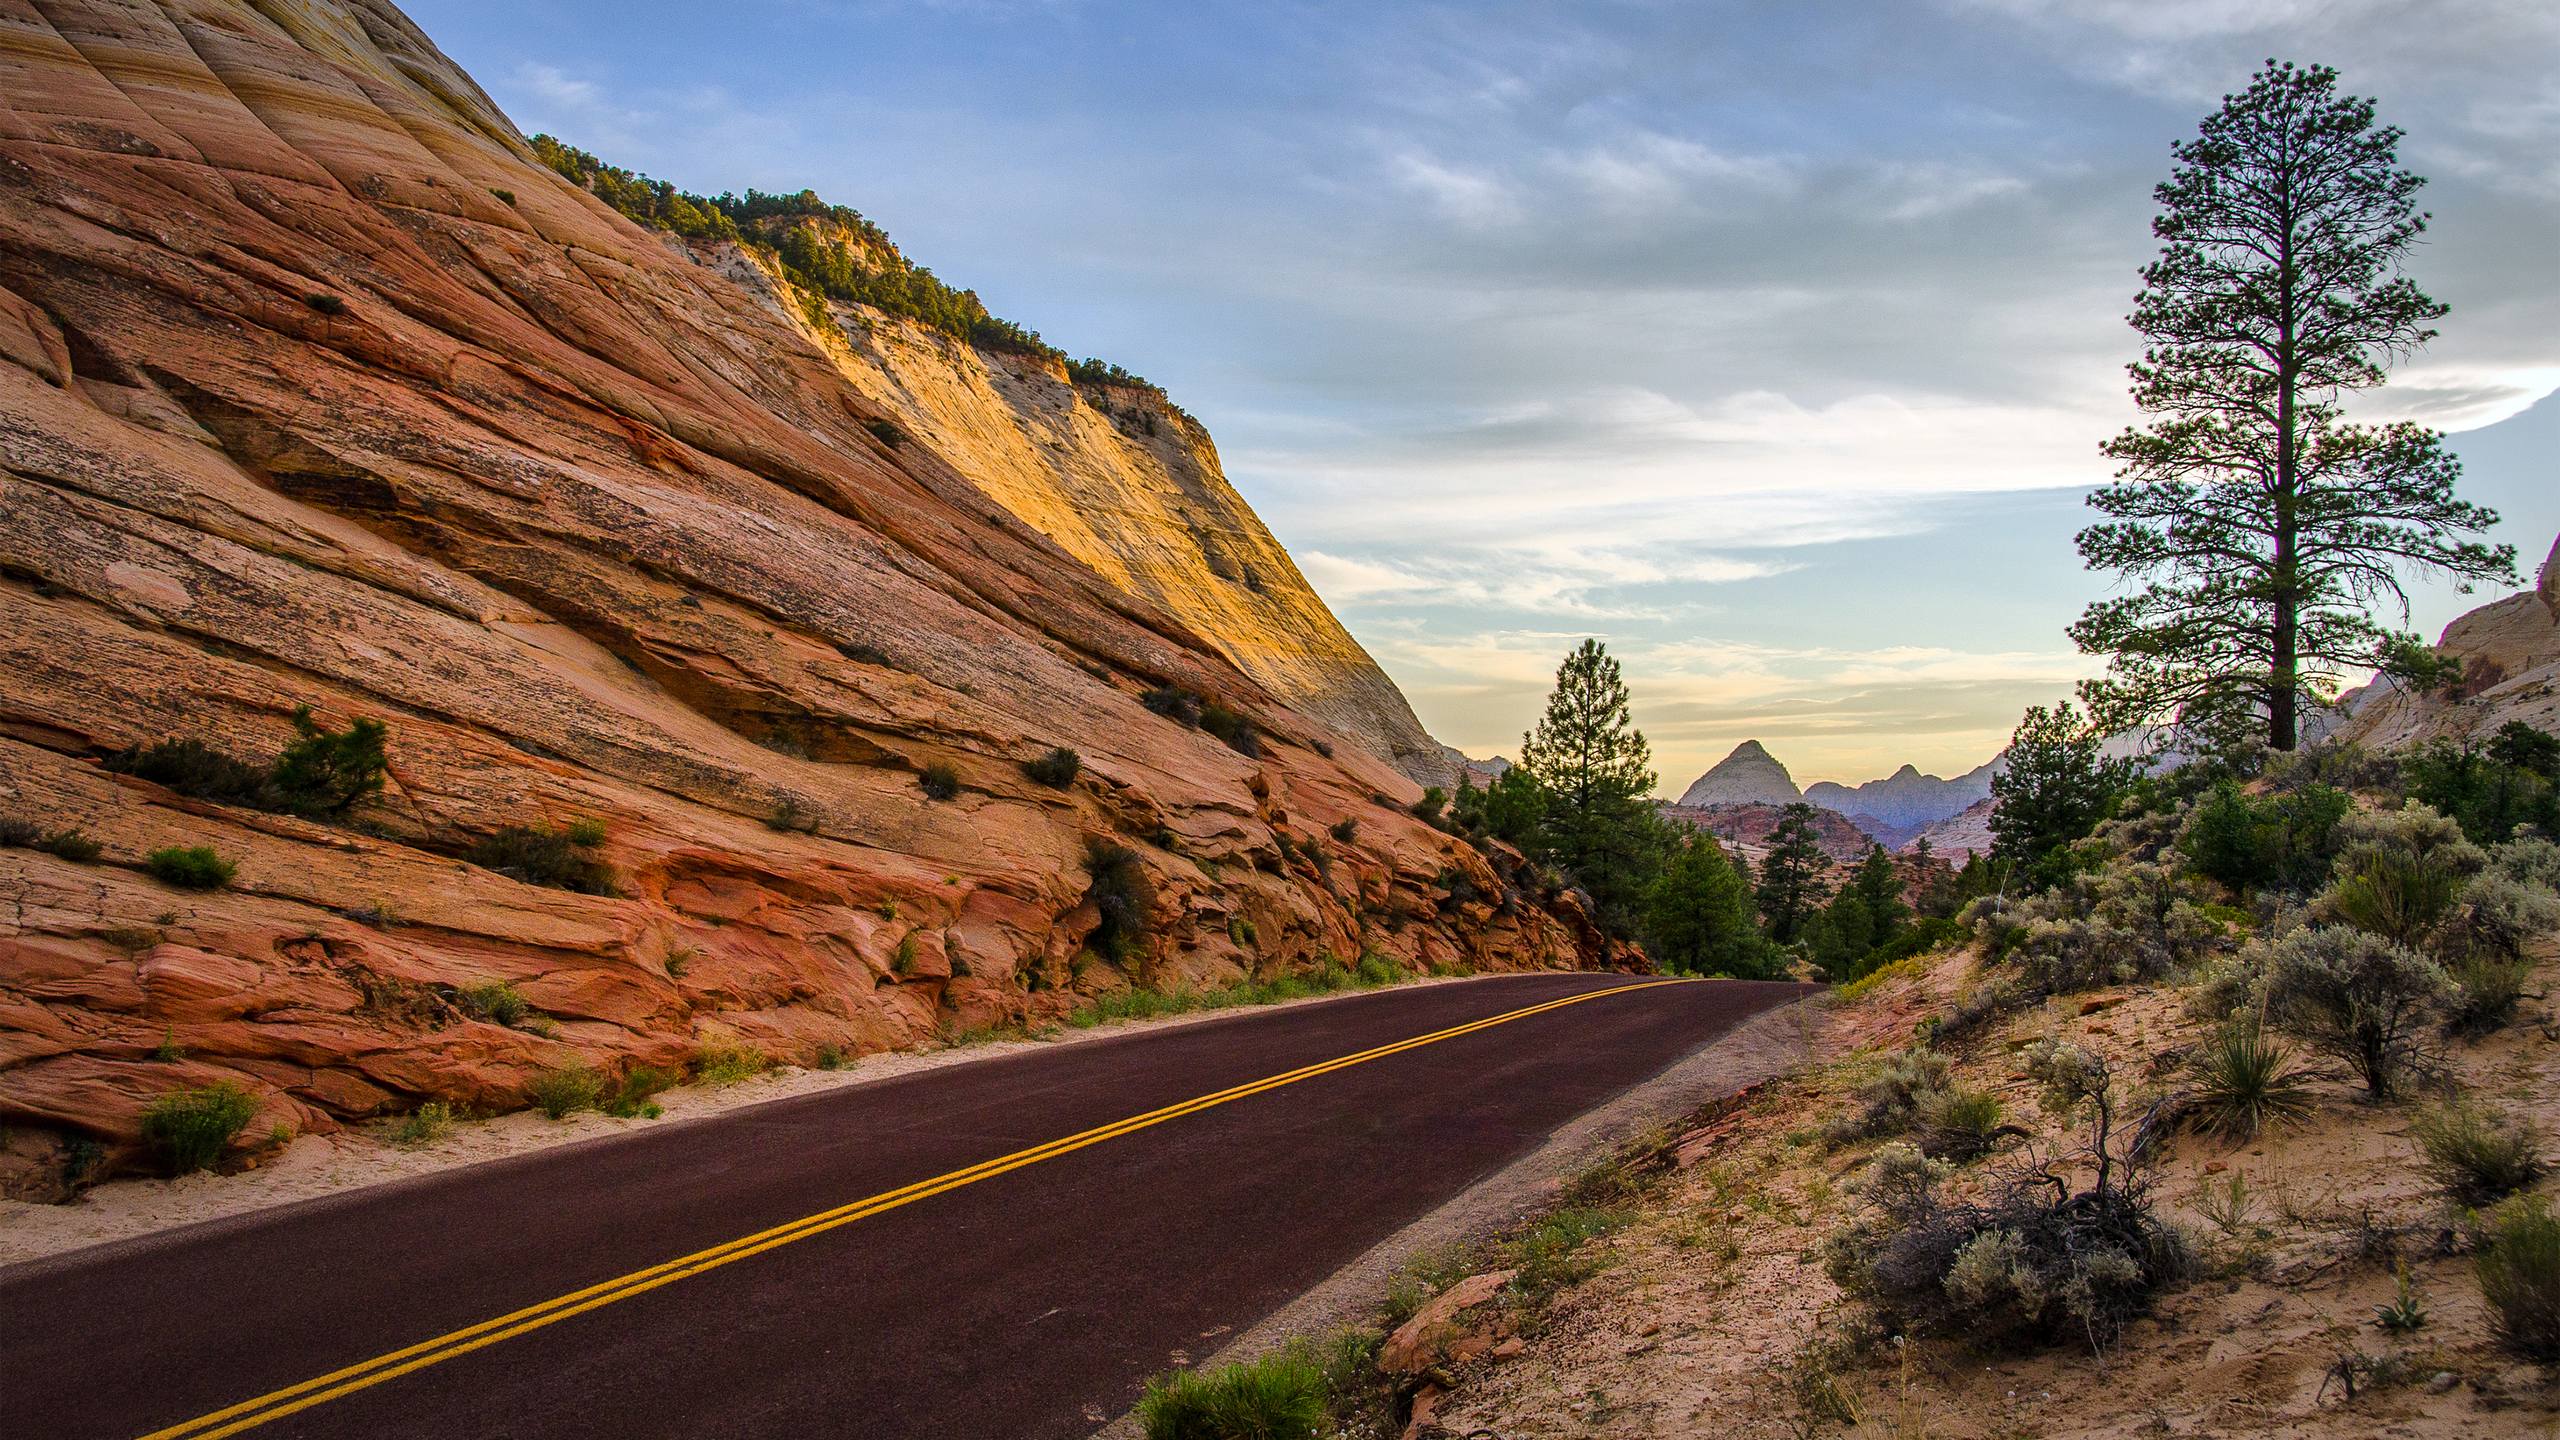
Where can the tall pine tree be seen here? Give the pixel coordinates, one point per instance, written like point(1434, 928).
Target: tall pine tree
point(2265, 526)
point(1595, 769)
point(1791, 874)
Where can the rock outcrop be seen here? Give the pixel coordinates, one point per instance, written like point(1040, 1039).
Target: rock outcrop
point(1967, 832)
point(318, 388)
point(1748, 776)
point(2510, 653)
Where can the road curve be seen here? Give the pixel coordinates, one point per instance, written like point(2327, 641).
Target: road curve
point(1096, 1208)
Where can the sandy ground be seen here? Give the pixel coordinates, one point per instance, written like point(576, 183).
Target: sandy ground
point(316, 1165)
point(1714, 1303)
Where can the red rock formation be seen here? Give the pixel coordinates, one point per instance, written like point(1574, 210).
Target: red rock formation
point(319, 390)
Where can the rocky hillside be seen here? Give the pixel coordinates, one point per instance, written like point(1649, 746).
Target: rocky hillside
point(1748, 827)
point(2510, 653)
point(321, 389)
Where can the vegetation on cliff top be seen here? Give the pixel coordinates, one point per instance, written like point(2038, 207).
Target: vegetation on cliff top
point(829, 250)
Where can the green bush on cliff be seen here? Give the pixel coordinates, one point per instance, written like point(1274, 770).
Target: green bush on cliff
point(1057, 769)
point(558, 859)
point(325, 771)
point(322, 772)
point(190, 1129)
point(190, 867)
point(1122, 897)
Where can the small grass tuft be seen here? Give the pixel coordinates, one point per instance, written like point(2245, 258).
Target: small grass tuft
point(726, 1062)
point(564, 1091)
point(190, 1129)
point(637, 1096)
point(1280, 1396)
point(2476, 1157)
point(425, 1125)
point(939, 781)
point(492, 1000)
point(2519, 1276)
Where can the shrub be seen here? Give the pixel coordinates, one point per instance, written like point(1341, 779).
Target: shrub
point(325, 771)
point(1281, 1396)
point(939, 781)
point(1345, 831)
point(1890, 1100)
point(1173, 703)
point(1428, 808)
point(2040, 1260)
point(1057, 769)
point(2356, 997)
point(1958, 1125)
point(2532, 861)
point(2398, 872)
point(564, 1091)
point(1378, 969)
point(190, 867)
point(2485, 992)
point(2285, 840)
point(726, 1062)
point(1122, 897)
point(189, 1129)
point(493, 1000)
point(638, 1092)
point(2519, 1277)
point(2476, 1157)
point(191, 767)
point(424, 1125)
point(1232, 727)
point(554, 858)
point(2496, 916)
point(70, 844)
point(2245, 1081)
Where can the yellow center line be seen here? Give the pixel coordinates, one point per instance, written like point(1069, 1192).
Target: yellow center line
point(320, 1389)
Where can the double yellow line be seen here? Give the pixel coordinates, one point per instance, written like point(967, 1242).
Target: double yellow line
point(321, 1389)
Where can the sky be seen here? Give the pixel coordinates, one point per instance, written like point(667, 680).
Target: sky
point(1772, 345)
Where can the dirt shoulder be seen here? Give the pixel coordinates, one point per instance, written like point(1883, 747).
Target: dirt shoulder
point(1709, 1310)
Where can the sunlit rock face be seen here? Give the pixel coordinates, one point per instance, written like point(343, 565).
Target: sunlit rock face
point(1126, 482)
point(316, 389)
point(2510, 653)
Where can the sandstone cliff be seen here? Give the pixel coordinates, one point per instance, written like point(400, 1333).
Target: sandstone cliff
point(318, 388)
point(2510, 653)
point(1129, 484)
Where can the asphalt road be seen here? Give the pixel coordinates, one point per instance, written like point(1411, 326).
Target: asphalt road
point(1031, 1298)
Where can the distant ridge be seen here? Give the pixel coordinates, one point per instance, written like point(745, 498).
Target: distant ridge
point(1893, 809)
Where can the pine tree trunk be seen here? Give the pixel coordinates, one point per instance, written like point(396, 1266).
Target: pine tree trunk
point(2283, 679)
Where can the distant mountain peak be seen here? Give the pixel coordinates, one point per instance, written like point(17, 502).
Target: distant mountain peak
point(1748, 776)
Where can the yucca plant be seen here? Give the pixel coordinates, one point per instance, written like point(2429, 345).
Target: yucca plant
point(2246, 1080)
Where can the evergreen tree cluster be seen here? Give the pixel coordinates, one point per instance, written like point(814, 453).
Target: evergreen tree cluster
point(825, 250)
point(1579, 802)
